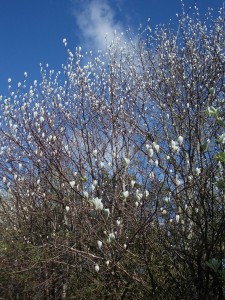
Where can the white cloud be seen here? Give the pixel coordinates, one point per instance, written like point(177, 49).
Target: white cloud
point(97, 23)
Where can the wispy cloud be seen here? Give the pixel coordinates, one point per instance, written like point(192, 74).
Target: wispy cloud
point(97, 23)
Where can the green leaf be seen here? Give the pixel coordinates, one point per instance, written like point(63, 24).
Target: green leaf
point(220, 156)
point(204, 146)
point(212, 111)
point(214, 264)
point(220, 122)
point(220, 184)
point(222, 273)
point(84, 179)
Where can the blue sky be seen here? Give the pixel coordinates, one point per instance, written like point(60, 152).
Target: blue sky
point(31, 31)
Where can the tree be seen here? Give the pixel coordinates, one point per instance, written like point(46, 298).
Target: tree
point(113, 190)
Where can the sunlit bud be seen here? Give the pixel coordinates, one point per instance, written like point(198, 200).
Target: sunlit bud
point(20, 166)
point(41, 119)
point(99, 244)
point(97, 202)
point(95, 152)
point(198, 171)
point(67, 208)
point(177, 180)
point(190, 178)
point(150, 152)
point(9, 80)
point(86, 195)
point(132, 183)
point(126, 161)
point(38, 181)
point(106, 212)
point(164, 212)
point(95, 182)
point(180, 140)
point(72, 183)
point(15, 176)
point(125, 246)
point(107, 262)
point(156, 147)
point(177, 218)
point(126, 194)
point(118, 222)
point(102, 164)
point(156, 163)
point(189, 235)
point(152, 175)
point(64, 42)
point(146, 193)
point(139, 195)
point(174, 146)
point(112, 236)
point(136, 203)
point(35, 114)
point(25, 74)
point(97, 268)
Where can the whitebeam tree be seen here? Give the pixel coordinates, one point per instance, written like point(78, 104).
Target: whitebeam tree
point(109, 184)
